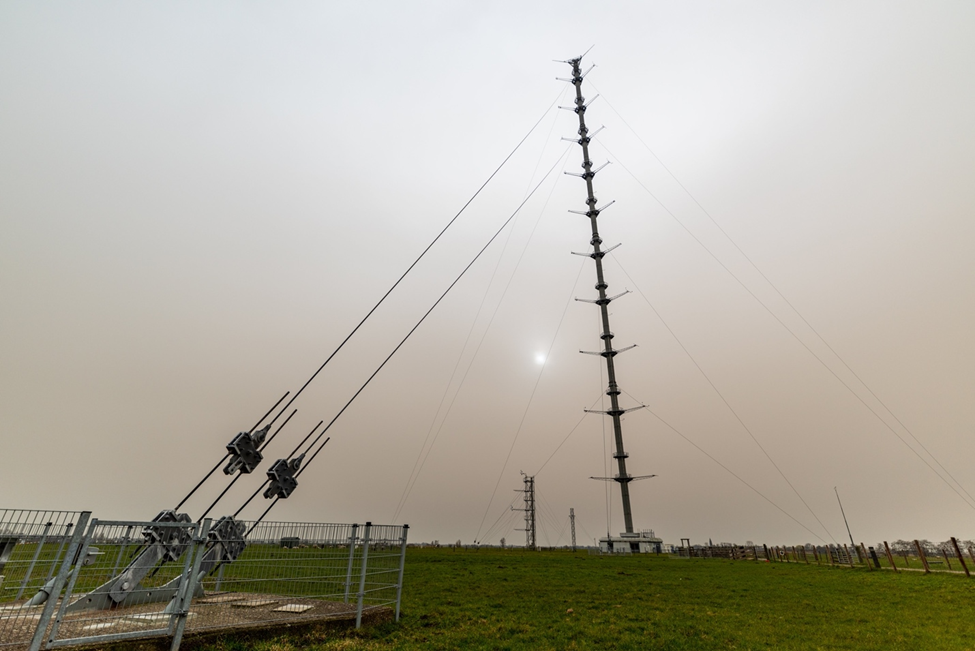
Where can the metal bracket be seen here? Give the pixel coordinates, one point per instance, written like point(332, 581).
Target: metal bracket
point(613, 412)
point(172, 540)
point(603, 301)
point(245, 452)
point(613, 352)
point(162, 543)
point(227, 537)
point(282, 477)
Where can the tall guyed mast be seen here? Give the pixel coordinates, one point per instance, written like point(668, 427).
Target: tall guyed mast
point(608, 353)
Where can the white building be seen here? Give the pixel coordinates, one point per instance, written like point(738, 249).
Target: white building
point(642, 542)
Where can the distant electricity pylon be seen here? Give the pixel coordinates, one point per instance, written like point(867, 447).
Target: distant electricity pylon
point(529, 510)
point(572, 527)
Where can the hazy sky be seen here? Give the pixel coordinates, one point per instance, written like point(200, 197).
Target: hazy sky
point(198, 201)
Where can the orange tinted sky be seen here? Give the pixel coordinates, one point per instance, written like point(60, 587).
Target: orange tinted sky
point(197, 203)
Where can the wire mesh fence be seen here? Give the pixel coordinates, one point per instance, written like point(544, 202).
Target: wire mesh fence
point(114, 580)
point(952, 555)
point(33, 544)
point(305, 570)
point(126, 576)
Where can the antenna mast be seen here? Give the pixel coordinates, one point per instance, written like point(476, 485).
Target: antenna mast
point(529, 510)
point(572, 522)
point(608, 352)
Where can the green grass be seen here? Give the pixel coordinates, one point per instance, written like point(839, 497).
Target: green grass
point(458, 599)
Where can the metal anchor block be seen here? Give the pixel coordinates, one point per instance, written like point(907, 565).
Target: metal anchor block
point(162, 544)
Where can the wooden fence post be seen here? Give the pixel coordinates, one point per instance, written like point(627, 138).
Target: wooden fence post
point(816, 554)
point(944, 552)
point(890, 557)
point(866, 557)
point(961, 559)
point(849, 555)
point(920, 554)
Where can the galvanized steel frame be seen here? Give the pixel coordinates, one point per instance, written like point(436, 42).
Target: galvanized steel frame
point(375, 559)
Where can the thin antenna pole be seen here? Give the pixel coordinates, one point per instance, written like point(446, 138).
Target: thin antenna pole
point(572, 523)
point(608, 353)
point(852, 544)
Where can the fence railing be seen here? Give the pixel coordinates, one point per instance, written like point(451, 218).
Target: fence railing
point(949, 556)
point(69, 579)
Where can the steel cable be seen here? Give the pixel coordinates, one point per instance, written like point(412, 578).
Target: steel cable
point(424, 317)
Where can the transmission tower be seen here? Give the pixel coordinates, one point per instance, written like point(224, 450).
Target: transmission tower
point(572, 527)
point(608, 352)
point(529, 510)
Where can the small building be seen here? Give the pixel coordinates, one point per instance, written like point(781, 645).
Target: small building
point(642, 542)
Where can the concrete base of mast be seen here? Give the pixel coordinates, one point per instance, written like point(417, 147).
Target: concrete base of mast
point(642, 542)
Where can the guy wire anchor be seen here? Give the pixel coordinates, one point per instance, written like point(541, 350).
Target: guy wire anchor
point(162, 544)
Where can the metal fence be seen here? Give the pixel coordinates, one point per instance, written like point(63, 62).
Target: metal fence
point(103, 581)
point(33, 546)
point(948, 556)
point(305, 570)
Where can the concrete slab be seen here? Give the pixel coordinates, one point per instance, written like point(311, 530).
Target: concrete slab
point(293, 608)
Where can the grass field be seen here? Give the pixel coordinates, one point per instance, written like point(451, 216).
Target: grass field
point(459, 599)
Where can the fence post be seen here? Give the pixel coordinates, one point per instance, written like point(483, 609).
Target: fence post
point(866, 558)
point(402, 566)
point(79, 562)
point(961, 559)
point(924, 560)
point(52, 599)
point(33, 561)
point(765, 547)
point(362, 576)
point(348, 571)
point(944, 552)
point(890, 556)
point(184, 594)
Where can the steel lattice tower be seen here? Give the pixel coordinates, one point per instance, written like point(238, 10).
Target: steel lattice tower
point(608, 352)
point(529, 491)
